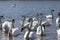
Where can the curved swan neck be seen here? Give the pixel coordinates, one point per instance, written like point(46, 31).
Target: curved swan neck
point(13, 21)
point(52, 13)
point(30, 25)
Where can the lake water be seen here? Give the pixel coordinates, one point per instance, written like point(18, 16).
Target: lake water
point(29, 8)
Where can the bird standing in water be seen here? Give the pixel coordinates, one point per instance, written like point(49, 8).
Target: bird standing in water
point(30, 33)
point(58, 23)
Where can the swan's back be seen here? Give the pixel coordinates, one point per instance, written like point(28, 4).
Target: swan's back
point(49, 17)
point(46, 23)
point(15, 31)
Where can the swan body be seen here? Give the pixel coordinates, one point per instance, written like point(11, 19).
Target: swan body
point(15, 31)
point(58, 31)
point(30, 36)
point(39, 30)
point(46, 23)
point(49, 17)
point(13, 5)
point(58, 24)
point(58, 21)
point(6, 26)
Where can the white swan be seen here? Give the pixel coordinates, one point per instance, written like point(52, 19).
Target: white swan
point(40, 30)
point(15, 31)
point(41, 27)
point(30, 33)
point(7, 26)
point(58, 23)
point(58, 19)
point(50, 17)
point(13, 5)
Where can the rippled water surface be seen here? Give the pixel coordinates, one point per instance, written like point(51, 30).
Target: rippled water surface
point(29, 8)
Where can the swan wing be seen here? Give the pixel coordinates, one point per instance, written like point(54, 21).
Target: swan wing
point(58, 21)
point(39, 30)
point(26, 35)
point(32, 35)
point(15, 32)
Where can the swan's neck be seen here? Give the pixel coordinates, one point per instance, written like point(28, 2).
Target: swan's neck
point(52, 14)
point(23, 21)
point(29, 30)
point(41, 31)
point(12, 25)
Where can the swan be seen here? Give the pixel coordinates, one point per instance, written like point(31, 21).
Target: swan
point(58, 19)
point(6, 26)
point(40, 30)
point(41, 27)
point(14, 31)
point(13, 5)
point(58, 23)
point(50, 17)
point(30, 33)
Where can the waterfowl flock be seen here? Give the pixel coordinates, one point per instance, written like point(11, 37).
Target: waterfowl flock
point(34, 25)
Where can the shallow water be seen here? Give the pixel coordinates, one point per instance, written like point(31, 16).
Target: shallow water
point(29, 8)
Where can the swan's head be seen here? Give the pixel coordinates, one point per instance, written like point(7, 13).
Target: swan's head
point(1, 17)
point(22, 29)
point(41, 14)
point(52, 10)
point(58, 13)
point(13, 20)
point(30, 20)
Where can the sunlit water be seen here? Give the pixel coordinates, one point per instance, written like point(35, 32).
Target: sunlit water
point(29, 8)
